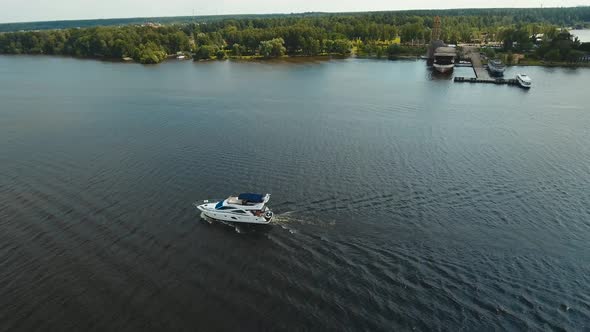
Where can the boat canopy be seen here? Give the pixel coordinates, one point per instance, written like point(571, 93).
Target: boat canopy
point(253, 198)
point(445, 51)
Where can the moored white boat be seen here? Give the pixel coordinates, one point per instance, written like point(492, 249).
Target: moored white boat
point(496, 67)
point(524, 81)
point(444, 59)
point(443, 68)
point(244, 208)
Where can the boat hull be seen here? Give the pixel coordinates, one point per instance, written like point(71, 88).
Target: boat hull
point(496, 68)
point(497, 72)
point(444, 68)
point(523, 83)
point(208, 210)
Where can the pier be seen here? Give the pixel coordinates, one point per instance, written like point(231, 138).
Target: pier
point(481, 73)
point(508, 81)
point(473, 54)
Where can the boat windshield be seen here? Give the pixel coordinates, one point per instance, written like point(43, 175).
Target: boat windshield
point(219, 205)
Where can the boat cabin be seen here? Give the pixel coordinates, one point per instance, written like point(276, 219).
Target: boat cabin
point(445, 55)
point(245, 201)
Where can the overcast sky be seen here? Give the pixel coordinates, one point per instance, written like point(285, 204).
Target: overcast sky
point(47, 10)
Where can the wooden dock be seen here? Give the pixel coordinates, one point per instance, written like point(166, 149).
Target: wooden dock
point(481, 73)
point(509, 81)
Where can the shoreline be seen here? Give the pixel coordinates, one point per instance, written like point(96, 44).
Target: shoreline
point(300, 59)
point(553, 64)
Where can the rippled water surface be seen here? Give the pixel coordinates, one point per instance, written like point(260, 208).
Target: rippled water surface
point(404, 201)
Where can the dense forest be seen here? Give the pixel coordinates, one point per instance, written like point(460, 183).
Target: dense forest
point(558, 16)
point(372, 34)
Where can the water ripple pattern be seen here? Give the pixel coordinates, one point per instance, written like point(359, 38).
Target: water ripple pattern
point(403, 201)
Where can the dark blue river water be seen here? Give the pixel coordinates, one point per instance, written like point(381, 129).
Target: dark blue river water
point(404, 201)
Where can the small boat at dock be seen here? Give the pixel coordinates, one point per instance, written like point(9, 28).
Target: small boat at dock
point(524, 81)
point(496, 67)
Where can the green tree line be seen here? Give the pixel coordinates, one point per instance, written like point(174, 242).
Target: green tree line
point(144, 44)
point(546, 43)
point(569, 17)
point(300, 35)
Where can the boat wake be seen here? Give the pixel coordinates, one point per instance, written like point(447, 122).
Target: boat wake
point(286, 221)
point(289, 220)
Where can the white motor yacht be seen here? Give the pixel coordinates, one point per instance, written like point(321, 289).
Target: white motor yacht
point(244, 208)
point(496, 67)
point(524, 81)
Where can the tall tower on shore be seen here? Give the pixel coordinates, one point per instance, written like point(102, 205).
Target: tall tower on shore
point(436, 32)
point(435, 41)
